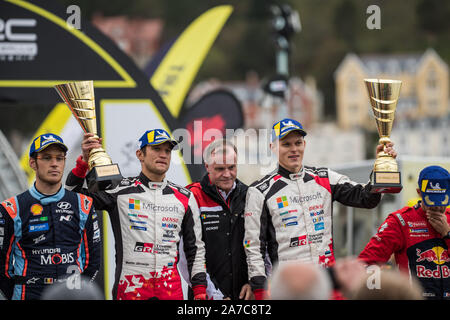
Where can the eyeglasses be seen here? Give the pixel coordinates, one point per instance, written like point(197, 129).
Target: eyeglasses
point(48, 158)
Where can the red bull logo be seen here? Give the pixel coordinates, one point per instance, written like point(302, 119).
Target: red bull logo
point(438, 273)
point(428, 255)
point(438, 255)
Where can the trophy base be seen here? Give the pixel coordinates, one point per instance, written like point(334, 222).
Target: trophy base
point(386, 182)
point(101, 177)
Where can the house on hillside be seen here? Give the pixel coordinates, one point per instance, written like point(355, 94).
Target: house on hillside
point(424, 93)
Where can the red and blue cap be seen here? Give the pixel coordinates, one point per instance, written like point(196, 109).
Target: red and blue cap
point(44, 140)
point(283, 127)
point(434, 184)
point(155, 137)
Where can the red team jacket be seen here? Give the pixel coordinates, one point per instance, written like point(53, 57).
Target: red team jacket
point(419, 249)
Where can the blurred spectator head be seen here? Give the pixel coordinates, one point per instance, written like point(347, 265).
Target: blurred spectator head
point(393, 285)
point(348, 274)
point(300, 281)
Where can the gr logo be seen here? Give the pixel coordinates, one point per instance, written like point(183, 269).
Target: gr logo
point(9, 30)
point(143, 247)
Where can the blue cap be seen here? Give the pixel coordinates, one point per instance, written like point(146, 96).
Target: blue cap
point(283, 127)
point(434, 183)
point(155, 137)
point(44, 140)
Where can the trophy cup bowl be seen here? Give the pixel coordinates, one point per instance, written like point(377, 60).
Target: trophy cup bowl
point(79, 97)
point(383, 96)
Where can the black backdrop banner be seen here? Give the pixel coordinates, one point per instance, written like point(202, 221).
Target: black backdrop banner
point(218, 109)
point(39, 49)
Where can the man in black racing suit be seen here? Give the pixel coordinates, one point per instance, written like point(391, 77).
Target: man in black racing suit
point(47, 233)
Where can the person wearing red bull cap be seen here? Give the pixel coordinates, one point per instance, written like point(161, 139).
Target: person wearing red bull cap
point(288, 213)
point(419, 236)
point(46, 232)
point(149, 216)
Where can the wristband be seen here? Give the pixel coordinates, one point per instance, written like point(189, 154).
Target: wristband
point(198, 290)
point(201, 296)
point(259, 294)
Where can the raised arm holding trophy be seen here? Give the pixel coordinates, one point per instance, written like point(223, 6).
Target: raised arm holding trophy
point(383, 95)
point(79, 97)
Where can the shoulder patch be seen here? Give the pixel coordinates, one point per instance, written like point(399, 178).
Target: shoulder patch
point(322, 172)
point(182, 196)
point(10, 206)
point(399, 216)
point(263, 187)
point(85, 203)
point(185, 192)
point(263, 184)
point(181, 189)
point(266, 178)
point(125, 182)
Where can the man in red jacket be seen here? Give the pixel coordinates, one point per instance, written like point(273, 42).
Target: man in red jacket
point(419, 236)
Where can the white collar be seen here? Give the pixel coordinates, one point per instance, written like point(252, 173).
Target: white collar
point(224, 194)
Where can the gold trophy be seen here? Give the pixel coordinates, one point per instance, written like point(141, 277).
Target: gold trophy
point(79, 97)
point(383, 95)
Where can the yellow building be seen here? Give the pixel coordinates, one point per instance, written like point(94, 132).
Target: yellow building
point(424, 92)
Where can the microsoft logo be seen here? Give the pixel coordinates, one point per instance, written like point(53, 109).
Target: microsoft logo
point(134, 204)
point(282, 202)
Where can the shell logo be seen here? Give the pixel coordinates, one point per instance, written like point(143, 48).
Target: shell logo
point(36, 209)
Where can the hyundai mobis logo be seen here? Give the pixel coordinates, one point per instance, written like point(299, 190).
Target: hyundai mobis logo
point(53, 256)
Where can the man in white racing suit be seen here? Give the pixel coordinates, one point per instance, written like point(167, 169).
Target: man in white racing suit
point(288, 213)
point(149, 216)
